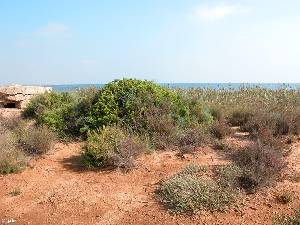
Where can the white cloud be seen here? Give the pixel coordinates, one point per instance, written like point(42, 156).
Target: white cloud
point(53, 30)
point(217, 12)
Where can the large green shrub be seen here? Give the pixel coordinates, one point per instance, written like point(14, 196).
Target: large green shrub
point(140, 106)
point(131, 102)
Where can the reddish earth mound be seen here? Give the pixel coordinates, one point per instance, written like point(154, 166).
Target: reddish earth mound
point(56, 190)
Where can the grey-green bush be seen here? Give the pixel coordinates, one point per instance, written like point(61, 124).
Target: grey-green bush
point(192, 190)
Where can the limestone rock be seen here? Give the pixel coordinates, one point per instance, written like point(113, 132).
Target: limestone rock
point(18, 96)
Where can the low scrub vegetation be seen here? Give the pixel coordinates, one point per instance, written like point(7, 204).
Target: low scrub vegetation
point(114, 118)
point(139, 109)
point(193, 190)
point(18, 140)
point(111, 147)
point(187, 140)
point(12, 159)
point(261, 165)
point(239, 117)
point(35, 139)
point(278, 109)
point(220, 129)
point(288, 220)
point(126, 118)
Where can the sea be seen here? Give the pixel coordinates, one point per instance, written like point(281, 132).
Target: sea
point(216, 86)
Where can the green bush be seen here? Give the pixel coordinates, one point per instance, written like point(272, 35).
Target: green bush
point(199, 113)
point(111, 147)
point(130, 102)
point(44, 102)
point(191, 190)
point(136, 105)
point(49, 109)
point(64, 113)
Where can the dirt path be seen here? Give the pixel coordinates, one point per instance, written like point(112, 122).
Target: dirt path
point(57, 190)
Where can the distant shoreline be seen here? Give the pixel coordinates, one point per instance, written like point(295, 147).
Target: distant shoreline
point(216, 86)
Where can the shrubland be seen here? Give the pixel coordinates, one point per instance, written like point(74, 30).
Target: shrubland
point(254, 108)
point(167, 118)
point(136, 108)
point(125, 118)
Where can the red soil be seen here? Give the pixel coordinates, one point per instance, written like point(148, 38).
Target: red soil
point(56, 190)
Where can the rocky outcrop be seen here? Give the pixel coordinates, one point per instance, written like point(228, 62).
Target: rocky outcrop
point(18, 96)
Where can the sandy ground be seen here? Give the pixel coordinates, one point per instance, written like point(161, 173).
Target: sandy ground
point(7, 113)
point(56, 190)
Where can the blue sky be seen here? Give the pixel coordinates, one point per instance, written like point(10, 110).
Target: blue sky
point(96, 41)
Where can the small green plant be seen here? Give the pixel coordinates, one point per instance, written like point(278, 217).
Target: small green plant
point(15, 192)
point(285, 198)
point(191, 190)
point(288, 220)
